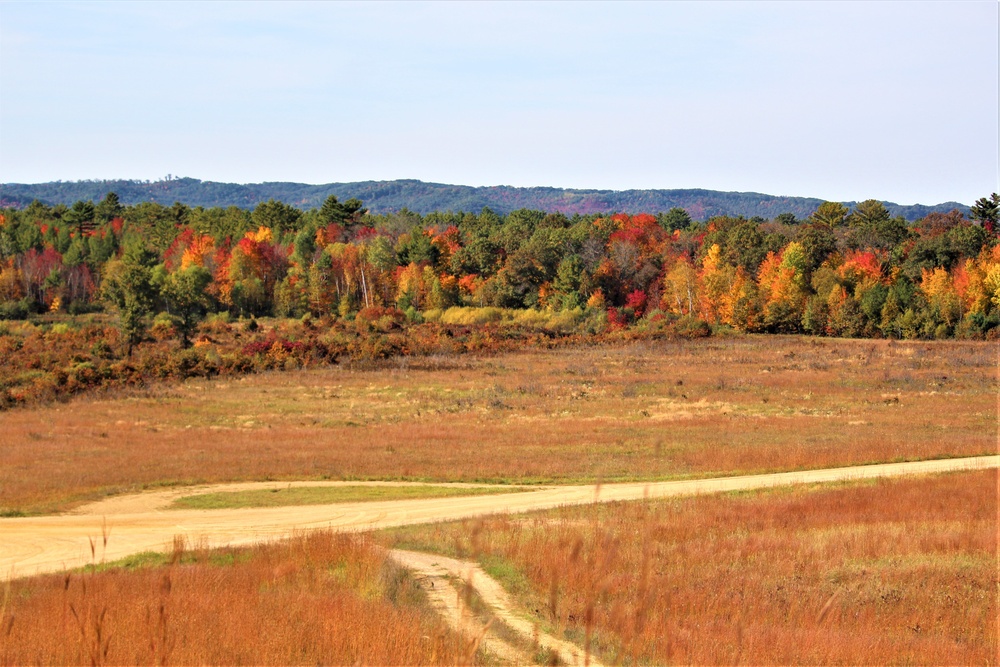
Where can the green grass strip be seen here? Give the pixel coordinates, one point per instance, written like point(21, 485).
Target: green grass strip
point(326, 495)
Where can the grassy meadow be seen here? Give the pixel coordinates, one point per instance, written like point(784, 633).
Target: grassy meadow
point(610, 412)
point(886, 572)
point(882, 572)
point(889, 572)
point(317, 599)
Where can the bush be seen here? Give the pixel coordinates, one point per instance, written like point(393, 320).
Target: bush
point(975, 326)
point(165, 326)
point(219, 323)
point(83, 374)
point(560, 321)
point(565, 321)
point(80, 307)
point(102, 349)
point(16, 310)
point(376, 347)
point(471, 316)
point(692, 327)
point(413, 316)
point(379, 319)
point(59, 328)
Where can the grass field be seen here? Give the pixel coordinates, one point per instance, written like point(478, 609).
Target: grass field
point(887, 572)
point(890, 572)
point(650, 410)
point(321, 599)
point(323, 495)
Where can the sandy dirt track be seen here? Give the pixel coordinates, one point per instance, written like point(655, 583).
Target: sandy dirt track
point(33, 545)
point(434, 574)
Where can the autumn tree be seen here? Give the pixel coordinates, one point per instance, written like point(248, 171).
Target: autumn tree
point(40, 273)
point(680, 288)
point(784, 288)
point(743, 306)
point(716, 279)
point(255, 266)
point(943, 303)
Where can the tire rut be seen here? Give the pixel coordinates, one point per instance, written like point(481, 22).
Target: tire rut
point(435, 575)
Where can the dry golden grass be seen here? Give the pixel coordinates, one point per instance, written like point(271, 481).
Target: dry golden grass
point(650, 410)
point(891, 572)
point(322, 599)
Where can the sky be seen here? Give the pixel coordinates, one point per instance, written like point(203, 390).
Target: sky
point(843, 101)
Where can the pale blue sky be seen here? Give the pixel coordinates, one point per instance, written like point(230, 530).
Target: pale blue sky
point(841, 100)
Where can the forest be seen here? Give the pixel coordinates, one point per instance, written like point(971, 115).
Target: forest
point(389, 283)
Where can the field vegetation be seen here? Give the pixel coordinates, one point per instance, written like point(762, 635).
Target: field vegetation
point(882, 572)
point(317, 599)
point(324, 495)
point(889, 572)
point(648, 409)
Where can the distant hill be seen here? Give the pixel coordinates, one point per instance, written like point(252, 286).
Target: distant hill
point(390, 196)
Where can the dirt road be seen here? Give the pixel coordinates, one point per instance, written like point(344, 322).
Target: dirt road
point(138, 523)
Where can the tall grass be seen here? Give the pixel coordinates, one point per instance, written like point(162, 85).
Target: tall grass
point(322, 599)
point(563, 321)
point(891, 572)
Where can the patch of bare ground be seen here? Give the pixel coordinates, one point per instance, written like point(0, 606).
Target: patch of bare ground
point(434, 574)
point(650, 410)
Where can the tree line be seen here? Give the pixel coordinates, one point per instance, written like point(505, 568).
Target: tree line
point(839, 271)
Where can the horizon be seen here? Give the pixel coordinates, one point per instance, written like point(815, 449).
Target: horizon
point(840, 101)
point(171, 177)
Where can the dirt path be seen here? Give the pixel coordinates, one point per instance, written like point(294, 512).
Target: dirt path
point(121, 526)
point(31, 545)
point(435, 573)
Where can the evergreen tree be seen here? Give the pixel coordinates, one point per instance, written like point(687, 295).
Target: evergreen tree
point(986, 211)
point(128, 289)
point(184, 293)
